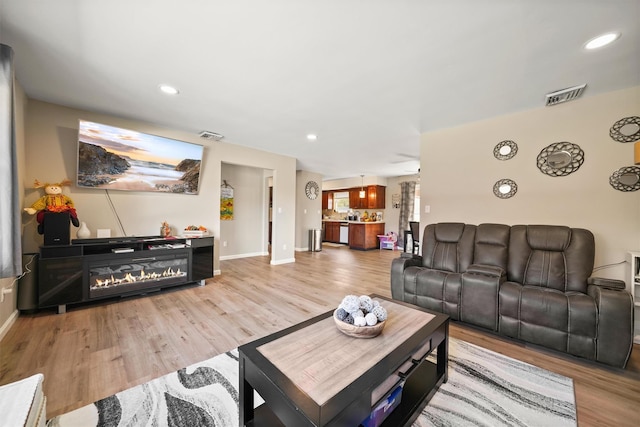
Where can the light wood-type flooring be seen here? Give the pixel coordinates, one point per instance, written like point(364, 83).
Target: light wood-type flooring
point(93, 351)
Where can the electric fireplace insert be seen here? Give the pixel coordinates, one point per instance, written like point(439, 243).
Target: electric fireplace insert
point(135, 273)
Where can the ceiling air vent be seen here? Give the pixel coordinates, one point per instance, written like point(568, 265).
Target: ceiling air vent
point(564, 95)
point(210, 135)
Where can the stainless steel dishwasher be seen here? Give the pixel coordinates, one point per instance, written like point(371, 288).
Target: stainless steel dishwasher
point(344, 233)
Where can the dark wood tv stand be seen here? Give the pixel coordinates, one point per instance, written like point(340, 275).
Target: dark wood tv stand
point(93, 269)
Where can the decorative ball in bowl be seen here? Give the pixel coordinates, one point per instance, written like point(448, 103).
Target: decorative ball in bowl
point(360, 317)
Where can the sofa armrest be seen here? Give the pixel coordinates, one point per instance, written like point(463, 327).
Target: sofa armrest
point(398, 266)
point(607, 283)
point(412, 256)
point(615, 324)
point(480, 294)
point(486, 270)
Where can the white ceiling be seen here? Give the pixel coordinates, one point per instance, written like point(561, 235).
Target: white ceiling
point(368, 76)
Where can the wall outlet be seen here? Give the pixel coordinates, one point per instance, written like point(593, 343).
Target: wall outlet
point(224, 243)
point(284, 247)
point(3, 292)
point(427, 208)
point(305, 211)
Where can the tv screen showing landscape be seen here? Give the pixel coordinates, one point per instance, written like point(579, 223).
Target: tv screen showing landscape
point(113, 158)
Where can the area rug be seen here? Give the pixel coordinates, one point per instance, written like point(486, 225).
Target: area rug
point(334, 245)
point(484, 389)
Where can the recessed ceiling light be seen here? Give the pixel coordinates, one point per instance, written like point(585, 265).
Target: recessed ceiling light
point(312, 137)
point(601, 41)
point(169, 90)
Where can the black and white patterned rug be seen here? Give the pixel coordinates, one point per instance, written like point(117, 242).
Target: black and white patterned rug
point(484, 388)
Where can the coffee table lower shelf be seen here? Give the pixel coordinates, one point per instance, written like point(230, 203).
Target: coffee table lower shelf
point(418, 389)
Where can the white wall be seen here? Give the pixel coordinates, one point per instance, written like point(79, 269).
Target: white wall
point(339, 184)
point(51, 144)
point(308, 212)
point(459, 171)
point(244, 235)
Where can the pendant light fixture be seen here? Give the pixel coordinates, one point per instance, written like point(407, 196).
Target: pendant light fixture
point(362, 193)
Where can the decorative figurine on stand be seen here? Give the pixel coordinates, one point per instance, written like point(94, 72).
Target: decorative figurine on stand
point(53, 201)
point(165, 229)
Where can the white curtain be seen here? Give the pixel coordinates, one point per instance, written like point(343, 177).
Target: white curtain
point(407, 200)
point(10, 244)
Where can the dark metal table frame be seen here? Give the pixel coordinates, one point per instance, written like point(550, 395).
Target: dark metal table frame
point(285, 404)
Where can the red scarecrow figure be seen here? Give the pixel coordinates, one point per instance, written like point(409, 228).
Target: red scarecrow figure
point(52, 201)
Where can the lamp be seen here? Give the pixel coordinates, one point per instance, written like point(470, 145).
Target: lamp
point(362, 193)
point(636, 153)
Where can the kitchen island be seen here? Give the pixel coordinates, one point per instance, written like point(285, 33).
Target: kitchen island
point(364, 235)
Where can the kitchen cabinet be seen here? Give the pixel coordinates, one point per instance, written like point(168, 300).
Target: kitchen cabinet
point(332, 231)
point(364, 235)
point(374, 197)
point(327, 200)
point(355, 202)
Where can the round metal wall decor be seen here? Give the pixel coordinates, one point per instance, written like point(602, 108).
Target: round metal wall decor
point(505, 150)
point(626, 130)
point(626, 179)
point(505, 188)
point(560, 159)
point(312, 190)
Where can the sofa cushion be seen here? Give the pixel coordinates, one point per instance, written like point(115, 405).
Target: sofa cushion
point(562, 321)
point(448, 246)
point(555, 257)
point(491, 246)
point(434, 290)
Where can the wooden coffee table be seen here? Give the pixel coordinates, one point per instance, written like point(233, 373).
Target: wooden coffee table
point(311, 374)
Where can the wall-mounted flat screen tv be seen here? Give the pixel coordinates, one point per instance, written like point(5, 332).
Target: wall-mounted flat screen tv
point(113, 158)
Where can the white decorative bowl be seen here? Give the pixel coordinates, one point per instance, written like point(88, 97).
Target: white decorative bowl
point(359, 331)
point(193, 233)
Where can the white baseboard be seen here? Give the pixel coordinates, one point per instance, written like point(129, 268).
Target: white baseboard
point(7, 325)
point(301, 249)
point(225, 257)
point(283, 261)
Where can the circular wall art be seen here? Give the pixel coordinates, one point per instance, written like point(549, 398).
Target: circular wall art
point(505, 188)
point(560, 159)
point(312, 190)
point(626, 179)
point(626, 130)
point(505, 150)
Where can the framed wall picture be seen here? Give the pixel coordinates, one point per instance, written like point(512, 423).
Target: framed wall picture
point(226, 202)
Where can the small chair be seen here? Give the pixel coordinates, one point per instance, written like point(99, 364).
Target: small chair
point(414, 226)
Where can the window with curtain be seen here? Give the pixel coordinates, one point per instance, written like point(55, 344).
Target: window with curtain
point(407, 207)
point(10, 245)
point(416, 204)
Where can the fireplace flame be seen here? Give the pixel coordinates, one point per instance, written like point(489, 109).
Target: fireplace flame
point(135, 278)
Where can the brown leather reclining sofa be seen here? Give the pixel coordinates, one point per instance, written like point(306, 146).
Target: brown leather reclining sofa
point(529, 282)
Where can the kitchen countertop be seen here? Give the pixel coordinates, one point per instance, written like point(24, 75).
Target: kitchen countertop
point(353, 222)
